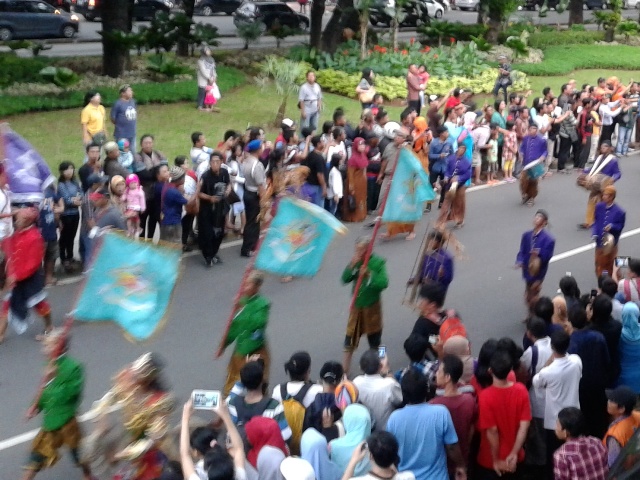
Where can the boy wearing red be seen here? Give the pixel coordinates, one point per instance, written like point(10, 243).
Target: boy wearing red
point(24, 252)
point(504, 415)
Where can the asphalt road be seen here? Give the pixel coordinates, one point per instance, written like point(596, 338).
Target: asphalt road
point(311, 314)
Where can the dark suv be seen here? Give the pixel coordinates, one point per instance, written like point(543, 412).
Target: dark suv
point(142, 9)
point(416, 13)
point(34, 19)
point(267, 13)
point(209, 7)
point(536, 4)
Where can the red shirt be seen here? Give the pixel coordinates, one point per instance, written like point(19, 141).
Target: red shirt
point(503, 408)
point(24, 251)
point(463, 412)
point(479, 389)
point(453, 102)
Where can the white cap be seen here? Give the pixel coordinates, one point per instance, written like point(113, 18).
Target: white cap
point(296, 468)
point(433, 98)
point(390, 129)
point(287, 122)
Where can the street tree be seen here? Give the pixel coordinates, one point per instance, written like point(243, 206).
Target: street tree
point(495, 14)
point(315, 30)
point(116, 17)
point(397, 12)
point(344, 16)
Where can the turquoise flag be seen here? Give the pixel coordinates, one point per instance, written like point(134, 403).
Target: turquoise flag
point(410, 188)
point(297, 239)
point(129, 283)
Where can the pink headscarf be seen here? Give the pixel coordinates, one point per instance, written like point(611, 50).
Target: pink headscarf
point(358, 159)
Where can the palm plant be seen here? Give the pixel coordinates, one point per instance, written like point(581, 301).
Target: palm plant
point(250, 32)
point(285, 75)
point(397, 13)
point(364, 8)
point(628, 28)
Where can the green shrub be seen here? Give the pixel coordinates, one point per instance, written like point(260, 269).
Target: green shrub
point(515, 29)
point(561, 60)
point(166, 66)
point(168, 92)
point(60, 76)
point(564, 37)
point(393, 88)
point(14, 69)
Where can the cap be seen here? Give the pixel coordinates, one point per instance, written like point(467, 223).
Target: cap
point(296, 468)
point(623, 396)
point(99, 194)
point(110, 146)
point(543, 213)
point(96, 178)
point(254, 145)
point(123, 143)
point(176, 174)
point(433, 98)
point(288, 123)
point(332, 372)
point(132, 177)
point(390, 129)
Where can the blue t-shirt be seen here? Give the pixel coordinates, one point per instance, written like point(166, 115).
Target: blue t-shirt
point(172, 203)
point(47, 223)
point(124, 115)
point(423, 431)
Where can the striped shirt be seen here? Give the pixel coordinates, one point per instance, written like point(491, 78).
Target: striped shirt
point(273, 409)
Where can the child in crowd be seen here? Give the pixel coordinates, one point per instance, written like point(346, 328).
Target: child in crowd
point(424, 80)
point(509, 151)
point(209, 97)
point(335, 190)
point(126, 157)
point(378, 103)
point(492, 157)
point(50, 209)
point(135, 205)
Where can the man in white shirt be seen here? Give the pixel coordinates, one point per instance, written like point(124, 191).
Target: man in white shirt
point(534, 359)
point(199, 151)
point(310, 102)
point(480, 135)
point(560, 381)
point(381, 394)
point(608, 111)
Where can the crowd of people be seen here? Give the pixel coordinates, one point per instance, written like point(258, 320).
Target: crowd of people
point(560, 404)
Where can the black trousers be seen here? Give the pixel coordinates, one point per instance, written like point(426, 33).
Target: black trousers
point(68, 235)
point(252, 228)
point(606, 132)
point(415, 104)
point(187, 228)
point(564, 152)
point(552, 445)
point(433, 178)
point(153, 215)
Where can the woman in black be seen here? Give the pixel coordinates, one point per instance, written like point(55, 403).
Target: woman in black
point(213, 187)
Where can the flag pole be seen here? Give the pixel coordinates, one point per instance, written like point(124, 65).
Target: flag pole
point(376, 227)
point(247, 271)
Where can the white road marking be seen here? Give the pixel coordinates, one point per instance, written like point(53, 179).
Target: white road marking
point(586, 248)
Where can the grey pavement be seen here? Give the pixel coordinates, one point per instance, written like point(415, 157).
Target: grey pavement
point(311, 314)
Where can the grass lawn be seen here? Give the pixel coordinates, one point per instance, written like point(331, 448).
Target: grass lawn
point(581, 77)
point(57, 135)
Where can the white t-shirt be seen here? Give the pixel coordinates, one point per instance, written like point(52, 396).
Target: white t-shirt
point(293, 388)
point(200, 155)
point(309, 96)
point(543, 122)
point(240, 474)
point(335, 183)
point(381, 395)
point(6, 224)
point(544, 353)
point(397, 476)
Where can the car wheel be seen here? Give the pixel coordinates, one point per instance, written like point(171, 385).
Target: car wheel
point(438, 13)
point(263, 27)
point(68, 31)
point(303, 25)
point(5, 34)
point(373, 22)
point(207, 11)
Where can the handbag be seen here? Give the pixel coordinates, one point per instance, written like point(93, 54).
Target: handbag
point(215, 91)
point(351, 203)
point(232, 197)
point(367, 95)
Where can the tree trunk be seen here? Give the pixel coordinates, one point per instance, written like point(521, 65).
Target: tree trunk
point(609, 35)
point(495, 26)
point(344, 16)
point(116, 15)
point(315, 31)
point(281, 111)
point(394, 34)
point(183, 44)
point(576, 12)
point(364, 23)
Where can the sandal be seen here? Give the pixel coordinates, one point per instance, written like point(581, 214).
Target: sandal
point(43, 335)
point(410, 237)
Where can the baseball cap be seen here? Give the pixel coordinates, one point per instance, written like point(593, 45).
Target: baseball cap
point(288, 123)
point(622, 396)
point(331, 372)
point(100, 194)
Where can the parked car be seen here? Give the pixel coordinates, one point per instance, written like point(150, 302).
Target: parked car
point(267, 13)
point(626, 4)
point(142, 9)
point(588, 4)
point(209, 7)
point(34, 19)
point(467, 4)
point(418, 12)
point(445, 4)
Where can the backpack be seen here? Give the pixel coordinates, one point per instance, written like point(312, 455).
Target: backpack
point(294, 411)
point(244, 415)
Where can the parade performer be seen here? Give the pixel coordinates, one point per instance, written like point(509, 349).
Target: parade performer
point(58, 403)
point(534, 153)
point(24, 252)
point(366, 316)
point(437, 262)
point(607, 227)
point(456, 177)
point(605, 171)
point(536, 250)
point(248, 330)
point(146, 407)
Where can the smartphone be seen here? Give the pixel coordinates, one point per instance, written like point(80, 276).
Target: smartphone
point(594, 293)
point(568, 274)
point(205, 399)
point(622, 262)
point(382, 351)
point(433, 339)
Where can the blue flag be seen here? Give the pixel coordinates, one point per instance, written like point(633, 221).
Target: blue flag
point(27, 172)
point(297, 239)
point(410, 188)
point(129, 283)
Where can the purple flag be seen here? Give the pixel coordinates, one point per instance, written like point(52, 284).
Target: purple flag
point(27, 172)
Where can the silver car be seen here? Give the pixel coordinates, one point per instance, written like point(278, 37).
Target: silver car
point(467, 4)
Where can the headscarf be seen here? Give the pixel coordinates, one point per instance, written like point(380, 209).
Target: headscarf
point(115, 180)
point(459, 346)
point(630, 325)
point(421, 126)
point(313, 448)
point(358, 159)
point(269, 461)
point(357, 425)
point(262, 432)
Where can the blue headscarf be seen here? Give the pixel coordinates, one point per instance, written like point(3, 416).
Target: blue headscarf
point(357, 425)
point(630, 325)
point(313, 448)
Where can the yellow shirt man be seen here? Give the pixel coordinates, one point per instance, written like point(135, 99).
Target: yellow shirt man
point(92, 117)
